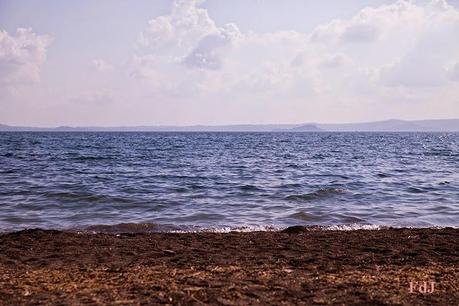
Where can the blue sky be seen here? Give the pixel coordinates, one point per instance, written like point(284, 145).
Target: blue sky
point(221, 62)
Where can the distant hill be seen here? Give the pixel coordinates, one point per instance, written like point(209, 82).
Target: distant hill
point(191, 128)
point(394, 125)
point(306, 128)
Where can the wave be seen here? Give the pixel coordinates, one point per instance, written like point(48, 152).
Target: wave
point(89, 158)
point(353, 227)
point(123, 228)
point(134, 228)
point(416, 190)
point(306, 217)
point(86, 197)
point(249, 188)
point(318, 194)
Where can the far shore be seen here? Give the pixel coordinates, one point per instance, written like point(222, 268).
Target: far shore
point(294, 266)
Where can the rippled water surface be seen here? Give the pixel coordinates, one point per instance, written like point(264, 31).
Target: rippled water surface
point(212, 180)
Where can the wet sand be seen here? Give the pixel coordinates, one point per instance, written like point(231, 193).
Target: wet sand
point(297, 266)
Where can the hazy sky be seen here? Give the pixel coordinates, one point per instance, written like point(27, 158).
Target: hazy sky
point(153, 62)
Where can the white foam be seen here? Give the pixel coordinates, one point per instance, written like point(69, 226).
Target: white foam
point(273, 228)
point(228, 229)
point(352, 227)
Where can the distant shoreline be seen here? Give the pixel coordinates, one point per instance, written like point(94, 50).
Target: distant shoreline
point(222, 132)
point(294, 266)
point(393, 125)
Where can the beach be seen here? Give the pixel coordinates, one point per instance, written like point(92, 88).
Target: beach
point(204, 152)
point(299, 265)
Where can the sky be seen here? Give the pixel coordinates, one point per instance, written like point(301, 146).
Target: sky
point(186, 62)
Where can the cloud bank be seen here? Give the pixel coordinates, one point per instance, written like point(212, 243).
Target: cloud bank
point(392, 52)
point(394, 60)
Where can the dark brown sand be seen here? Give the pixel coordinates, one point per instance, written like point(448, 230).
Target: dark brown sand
point(297, 266)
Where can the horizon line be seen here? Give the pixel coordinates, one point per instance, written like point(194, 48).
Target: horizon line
point(219, 125)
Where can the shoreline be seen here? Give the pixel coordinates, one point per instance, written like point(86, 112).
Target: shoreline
point(158, 228)
point(294, 266)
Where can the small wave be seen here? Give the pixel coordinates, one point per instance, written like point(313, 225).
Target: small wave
point(87, 158)
point(306, 217)
point(196, 186)
point(290, 185)
point(340, 227)
point(86, 197)
point(124, 228)
point(200, 216)
point(352, 227)
point(229, 229)
point(416, 190)
point(318, 194)
point(249, 188)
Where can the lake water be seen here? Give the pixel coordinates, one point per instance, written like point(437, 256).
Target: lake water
point(228, 180)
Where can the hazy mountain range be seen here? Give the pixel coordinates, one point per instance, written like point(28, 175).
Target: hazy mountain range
point(393, 125)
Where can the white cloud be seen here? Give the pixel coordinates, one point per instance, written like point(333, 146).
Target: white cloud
point(360, 32)
point(21, 56)
point(93, 98)
point(101, 65)
point(453, 71)
point(179, 54)
point(408, 43)
point(414, 71)
point(333, 61)
point(178, 32)
point(211, 48)
point(422, 65)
